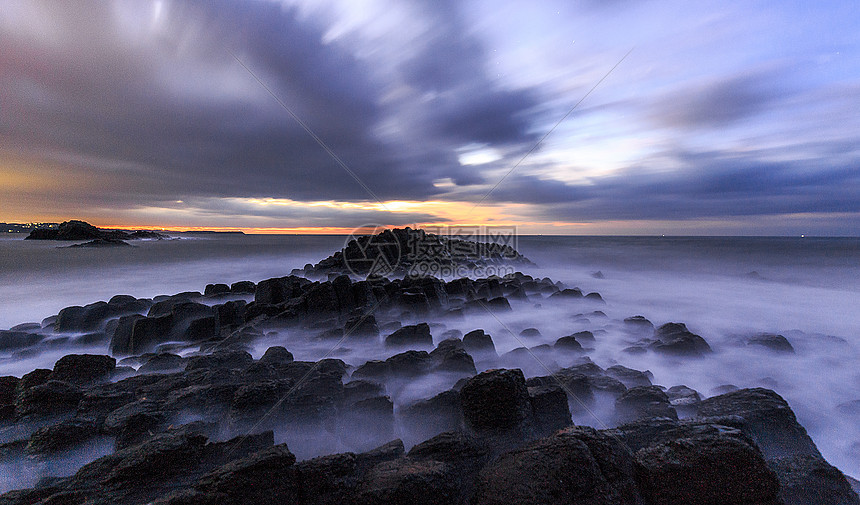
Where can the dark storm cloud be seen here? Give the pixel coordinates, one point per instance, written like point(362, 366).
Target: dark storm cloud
point(720, 102)
point(176, 107)
point(712, 185)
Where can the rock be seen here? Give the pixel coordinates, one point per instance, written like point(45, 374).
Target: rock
point(34, 378)
point(496, 403)
point(229, 359)
point(83, 368)
point(568, 343)
point(276, 355)
point(643, 402)
point(415, 335)
point(594, 297)
point(530, 333)
point(362, 326)
point(163, 362)
point(134, 422)
point(684, 400)
point(216, 290)
point(404, 480)
point(62, 436)
point(358, 390)
point(51, 398)
point(243, 287)
point(426, 418)
point(267, 476)
point(12, 340)
point(776, 343)
point(712, 469)
point(368, 423)
point(8, 389)
point(78, 319)
point(574, 293)
point(763, 416)
point(478, 343)
point(676, 340)
point(451, 356)
point(103, 242)
point(576, 465)
point(629, 377)
point(408, 364)
point(810, 480)
point(67, 230)
point(638, 323)
point(550, 408)
point(146, 334)
point(498, 304)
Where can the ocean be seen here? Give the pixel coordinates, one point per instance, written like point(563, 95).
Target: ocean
point(723, 288)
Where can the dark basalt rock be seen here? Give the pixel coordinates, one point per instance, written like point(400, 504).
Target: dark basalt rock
point(83, 368)
point(713, 469)
point(216, 290)
point(361, 326)
point(8, 389)
point(643, 402)
point(576, 465)
point(243, 287)
point(415, 335)
point(34, 378)
point(229, 359)
point(162, 363)
point(408, 364)
point(808, 480)
point(51, 398)
point(684, 400)
point(277, 355)
point(765, 417)
point(426, 418)
point(10, 340)
point(676, 340)
point(451, 356)
point(629, 377)
point(62, 436)
point(103, 242)
point(568, 343)
point(776, 343)
point(530, 333)
point(550, 408)
point(496, 403)
point(478, 343)
point(574, 293)
point(68, 230)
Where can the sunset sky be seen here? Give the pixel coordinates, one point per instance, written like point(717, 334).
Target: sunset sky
point(727, 117)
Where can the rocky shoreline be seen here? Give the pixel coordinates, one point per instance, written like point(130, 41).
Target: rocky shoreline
point(180, 412)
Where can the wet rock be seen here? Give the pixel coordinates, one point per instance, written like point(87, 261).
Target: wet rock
point(426, 418)
point(34, 378)
point(550, 408)
point(51, 398)
point(765, 417)
point(83, 368)
point(357, 390)
point(230, 314)
point(267, 476)
point(574, 293)
point(414, 335)
point(498, 304)
point(576, 465)
point(530, 333)
point(684, 400)
point(136, 421)
point(87, 318)
point(496, 403)
point(776, 343)
point(478, 343)
point(594, 297)
point(361, 326)
point(8, 389)
point(62, 436)
point(10, 340)
point(451, 356)
point(676, 340)
point(629, 377)
point(374, 369)
point(810, 480)
point(639, 323)
point(276, 355)
point(409, 364)
point(213, 290)
point(243, 287)
point(643, 402)
point(229, 359)
point(569, 344)
point(162, 363)
point(717, 469)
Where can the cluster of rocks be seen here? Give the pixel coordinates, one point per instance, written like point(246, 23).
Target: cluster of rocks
point(80, 230)
point(498, 438)
point(403, 252)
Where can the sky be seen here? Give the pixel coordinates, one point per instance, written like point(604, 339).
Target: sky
point(559, 117)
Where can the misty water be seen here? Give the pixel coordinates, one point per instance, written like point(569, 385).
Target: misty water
point(724, 289)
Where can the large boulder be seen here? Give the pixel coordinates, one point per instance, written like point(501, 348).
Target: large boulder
point(51, 398)
point(426, 418)
point(643, 402)
point(576, 465)
point(83, 368)
point(725, 468)
point(496, 403)
point(675, 339)
point(808, 480)
point(411, 336)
